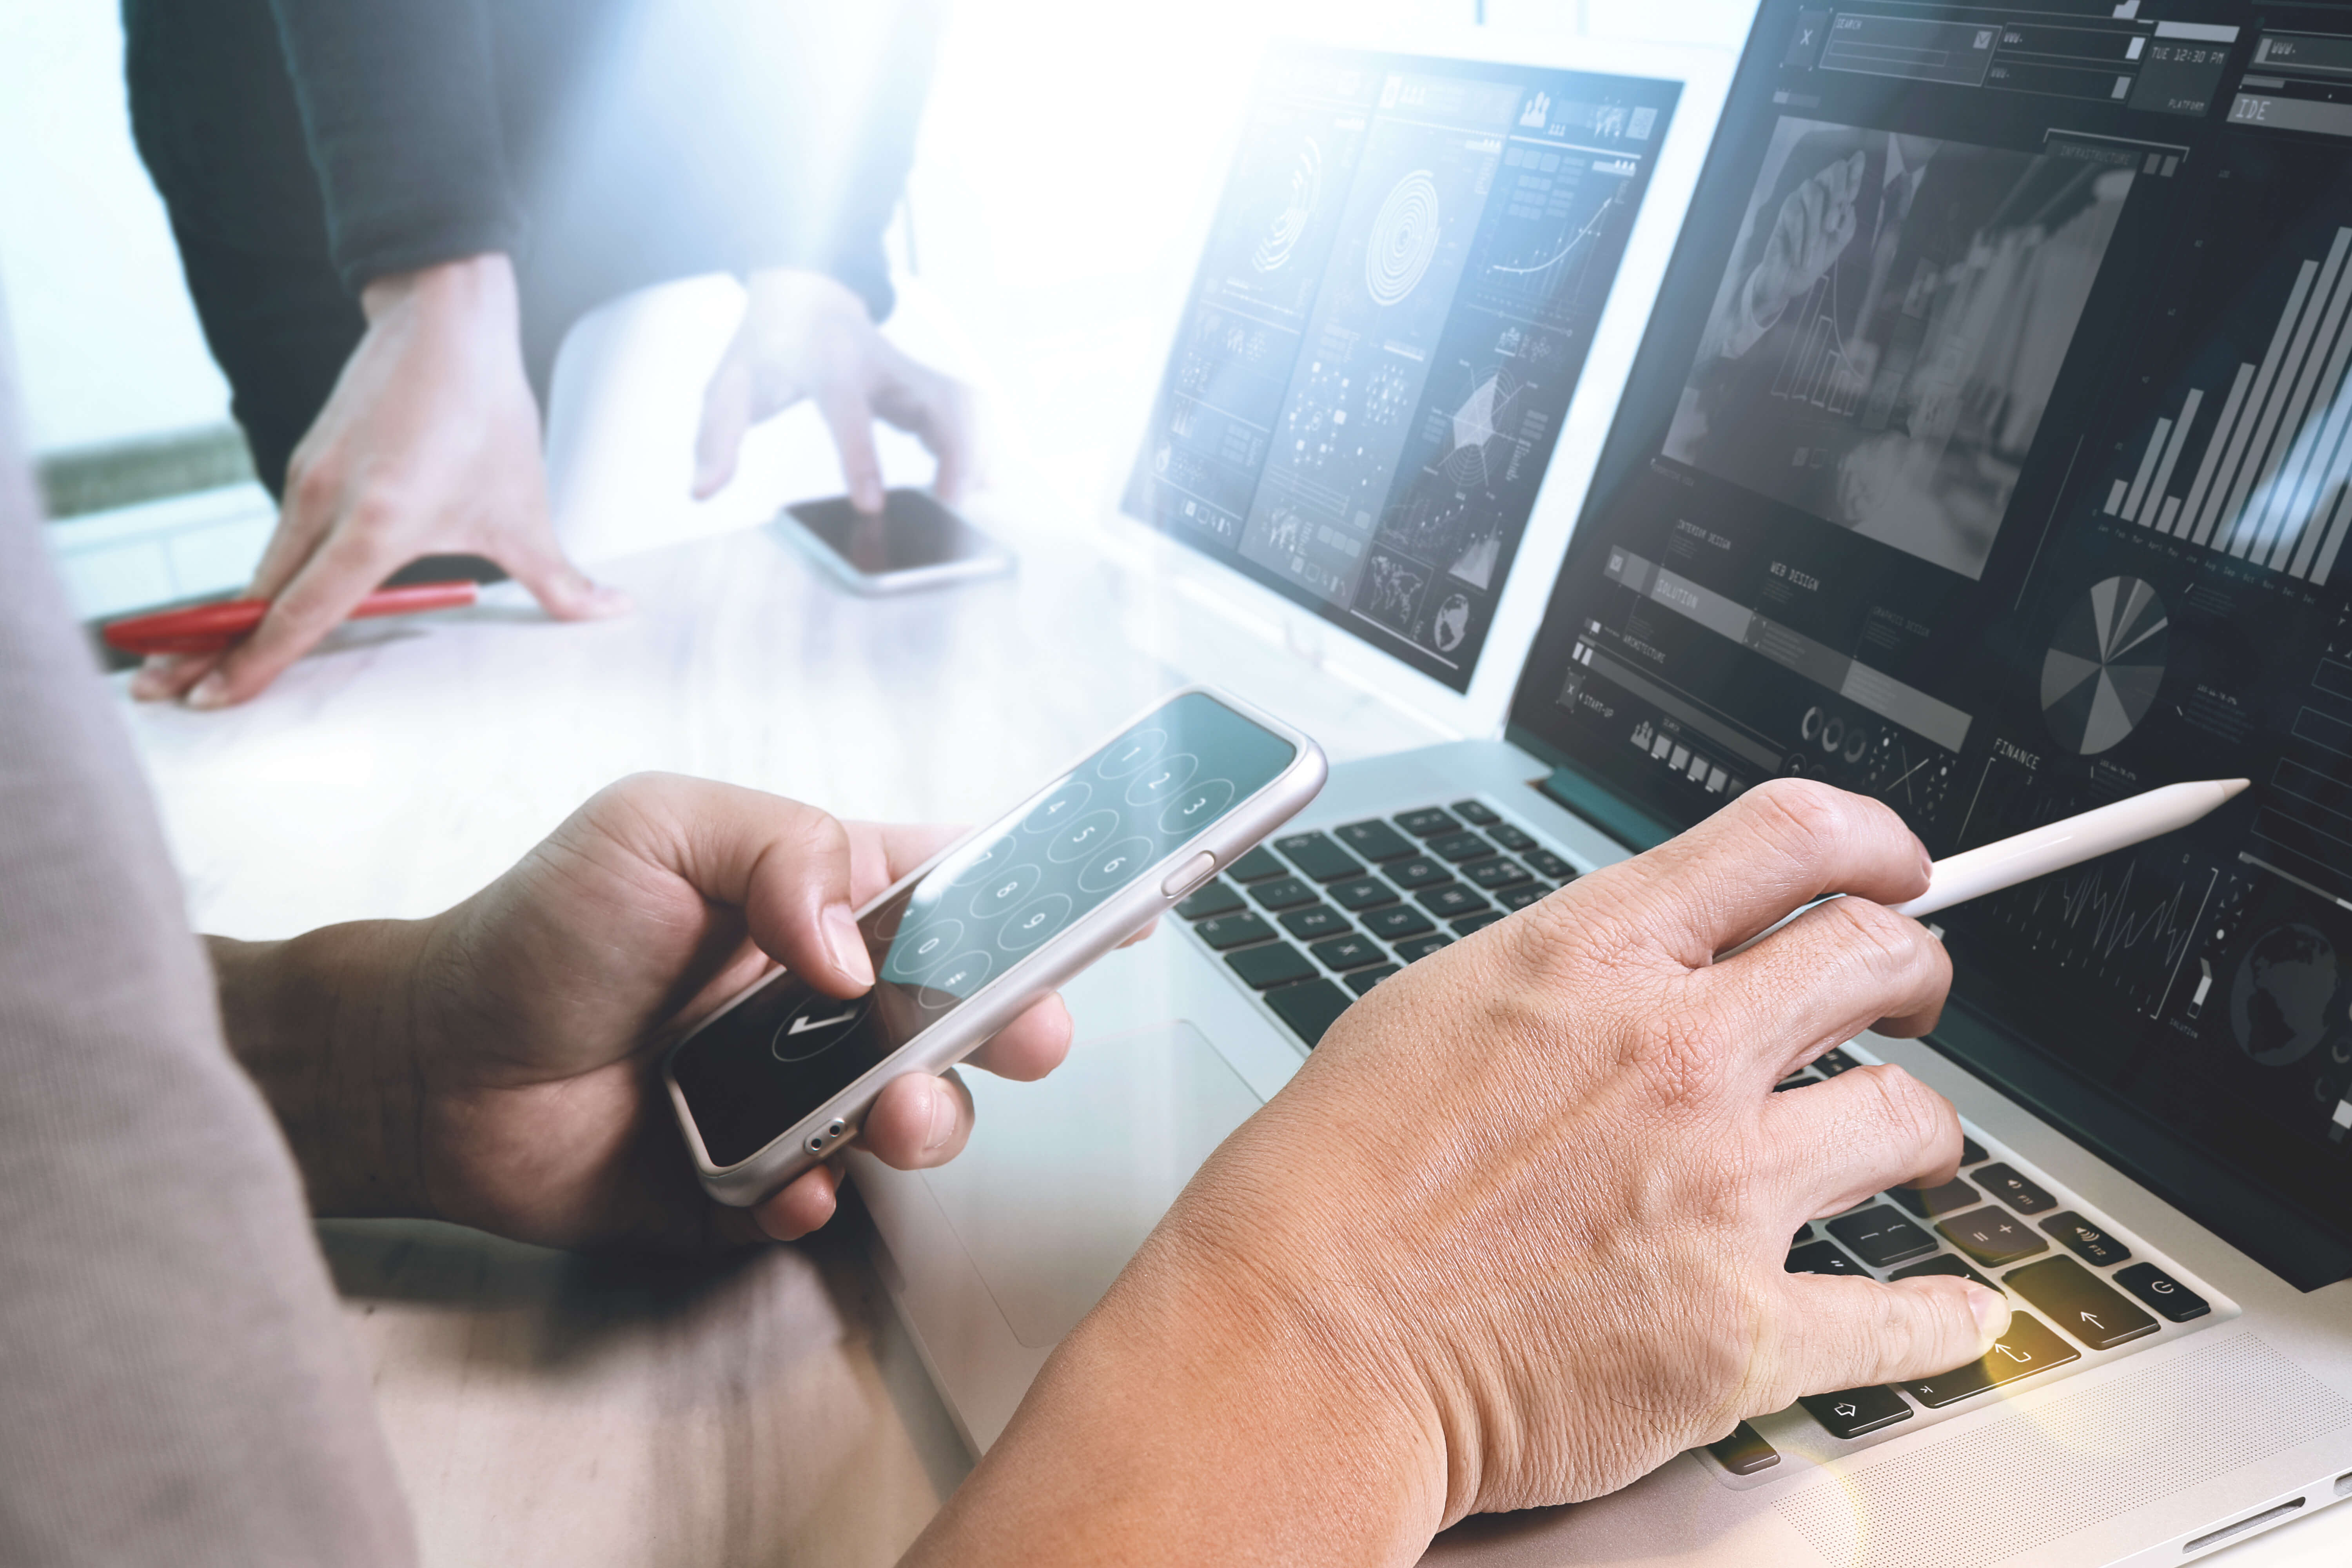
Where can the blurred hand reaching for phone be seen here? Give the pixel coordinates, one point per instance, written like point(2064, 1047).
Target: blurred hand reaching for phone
point(498, 1064)
point(428, 445)
point(805, 335)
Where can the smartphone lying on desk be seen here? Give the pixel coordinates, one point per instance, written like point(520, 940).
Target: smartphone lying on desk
point(782, 1077)
point(914, 542)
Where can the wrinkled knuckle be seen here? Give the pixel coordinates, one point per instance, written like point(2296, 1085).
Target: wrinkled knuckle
point(1681, 1052)
point(1905, 1107)
point(1894, 944)
point(1806, 819)
point(310, 482)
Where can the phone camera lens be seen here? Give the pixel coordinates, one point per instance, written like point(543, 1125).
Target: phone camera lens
point(816, 1143)
point(837, 1130)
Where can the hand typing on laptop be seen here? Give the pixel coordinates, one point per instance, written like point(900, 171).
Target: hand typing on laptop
point(1515, 1233)
point(498, 1064)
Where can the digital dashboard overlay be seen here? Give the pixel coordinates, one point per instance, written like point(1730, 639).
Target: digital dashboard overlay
point(1400, 288)
point(1990, 452)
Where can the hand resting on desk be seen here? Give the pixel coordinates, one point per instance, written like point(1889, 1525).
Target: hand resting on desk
point(499, 1064)
point(1515, 1233)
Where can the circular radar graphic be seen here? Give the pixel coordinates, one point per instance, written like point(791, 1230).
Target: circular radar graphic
point(2101, 674)
point(1403, 238)
point(1282, 231)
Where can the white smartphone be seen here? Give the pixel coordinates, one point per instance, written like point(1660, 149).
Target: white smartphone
point(915, 543)
point(780, 1078)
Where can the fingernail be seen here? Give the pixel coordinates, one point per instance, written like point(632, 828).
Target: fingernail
point(212, 691)
point(943, 1117)
point(1926, 862)
point(606, 602)
point(846, 946)
point(1991, 1309)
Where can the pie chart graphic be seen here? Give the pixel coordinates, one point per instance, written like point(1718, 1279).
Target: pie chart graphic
point(2101, 674)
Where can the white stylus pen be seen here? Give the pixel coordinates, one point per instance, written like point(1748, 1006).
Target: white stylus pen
point(2006, 862)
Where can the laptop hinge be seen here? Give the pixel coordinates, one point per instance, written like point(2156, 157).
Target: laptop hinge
point(1625, 822)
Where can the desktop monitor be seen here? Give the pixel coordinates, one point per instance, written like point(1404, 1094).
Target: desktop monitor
point(1421, 285)
point(1990, 453)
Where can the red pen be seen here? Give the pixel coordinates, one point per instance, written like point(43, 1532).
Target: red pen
point(209, 628)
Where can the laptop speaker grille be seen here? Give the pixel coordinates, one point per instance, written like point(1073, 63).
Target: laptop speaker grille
point(2070, 1463)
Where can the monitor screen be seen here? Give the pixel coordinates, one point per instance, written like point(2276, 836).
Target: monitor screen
point(1990, 452)
point(1399, 287)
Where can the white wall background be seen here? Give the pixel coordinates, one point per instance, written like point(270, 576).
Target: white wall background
point(107, 344)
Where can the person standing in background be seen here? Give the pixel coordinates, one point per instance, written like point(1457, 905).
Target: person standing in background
point(389, 212)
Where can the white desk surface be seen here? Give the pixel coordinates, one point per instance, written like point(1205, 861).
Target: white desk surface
point(545, 1408)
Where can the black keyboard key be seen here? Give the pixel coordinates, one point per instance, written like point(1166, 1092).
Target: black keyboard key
point(1256, 866)
point(1450, 901)
point(1418, 872)
point(2021, 1195)
point(2079, 1301)
point(1971, 1152)
point(1928, 1202)
point(1881, 1237)
point(1797, 1081)
point(1476, 813)
point(1314, 923)
point(1461, 846)
point(1517, 840)
point(1364, 893)
point(1398, 922)
point(1428, 823)
point(1833, 1062)
point(1494, 874)
point(1223, 931)
point(1350, 951)
point(1480, 922)
point(1520, 896)
point(2085, 1240)
point(1309, 1008)
point(1283, 893)
point(1991, 1235)
point(1363, 980)
point(2163, 1292)
point(1744, 1452)
point(1374, 840)
point(2029, 1347)
point(1414, 949)
point(1942, 1263)
point(1805, 1234)
point(1821, 1258)
point(1547, 864)
point(1856, 1411)
point(1276, 964)
point(1216, 899)
point(1315, 854)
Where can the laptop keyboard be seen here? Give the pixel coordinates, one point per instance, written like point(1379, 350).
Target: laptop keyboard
point(1319, 919)
point(2081, 1293)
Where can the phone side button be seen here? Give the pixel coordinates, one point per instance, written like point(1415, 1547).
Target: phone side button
point(1188, 876)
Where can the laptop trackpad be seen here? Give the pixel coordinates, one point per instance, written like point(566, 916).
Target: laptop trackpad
point(1063, 1179)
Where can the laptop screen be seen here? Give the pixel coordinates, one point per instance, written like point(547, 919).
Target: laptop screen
point(1399, 287)
point(1990, 452)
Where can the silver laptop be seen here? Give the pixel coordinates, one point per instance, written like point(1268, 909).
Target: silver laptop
point(2017, 487)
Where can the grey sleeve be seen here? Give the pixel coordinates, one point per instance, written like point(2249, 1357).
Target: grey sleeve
point(178, 1387)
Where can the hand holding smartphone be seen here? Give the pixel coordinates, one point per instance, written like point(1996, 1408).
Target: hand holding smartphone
point(782, 1076)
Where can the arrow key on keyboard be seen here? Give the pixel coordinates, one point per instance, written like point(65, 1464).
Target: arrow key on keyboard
point(2079, 1302)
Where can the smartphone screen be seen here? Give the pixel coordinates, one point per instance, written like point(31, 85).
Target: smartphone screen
point(913, 531)
point(1133, 806)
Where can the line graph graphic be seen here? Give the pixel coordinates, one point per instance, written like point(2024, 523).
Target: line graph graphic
point(2115, 923)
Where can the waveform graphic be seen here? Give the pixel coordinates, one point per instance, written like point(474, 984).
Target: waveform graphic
point(2114, 925)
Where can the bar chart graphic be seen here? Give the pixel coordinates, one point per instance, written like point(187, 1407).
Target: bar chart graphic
point(2273, 483)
